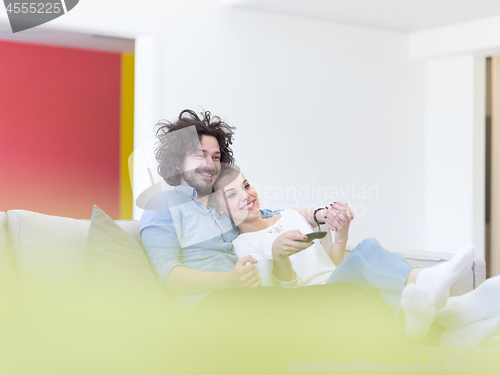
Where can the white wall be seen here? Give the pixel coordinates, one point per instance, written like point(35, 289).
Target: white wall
point(455, 153)
point(478, 37)
point(403, 113)
point(455, 56)
point(314, 103)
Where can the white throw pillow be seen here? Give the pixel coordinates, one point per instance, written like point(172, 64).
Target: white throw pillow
point(48, 249)
point(132, 227)
point(7, 269)
point(115, 259)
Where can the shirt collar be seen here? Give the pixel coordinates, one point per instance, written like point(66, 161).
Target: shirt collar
point(188, 191)
point(191, 193)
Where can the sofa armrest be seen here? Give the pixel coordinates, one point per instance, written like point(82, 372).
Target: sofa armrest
point(479, 271)
point(471, 280)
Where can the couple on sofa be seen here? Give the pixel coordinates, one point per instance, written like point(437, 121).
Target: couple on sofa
point(188, 234)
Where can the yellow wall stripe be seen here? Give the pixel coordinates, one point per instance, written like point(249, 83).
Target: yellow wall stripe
point(126, 134)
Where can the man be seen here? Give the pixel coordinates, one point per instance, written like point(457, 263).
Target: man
point(188, 242)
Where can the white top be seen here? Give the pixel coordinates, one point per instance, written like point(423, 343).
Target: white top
point(312, 265)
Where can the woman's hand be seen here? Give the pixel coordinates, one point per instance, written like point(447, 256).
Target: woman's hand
point(288, 243)
point(243, 275)
point(338, 217)
point(284, 245)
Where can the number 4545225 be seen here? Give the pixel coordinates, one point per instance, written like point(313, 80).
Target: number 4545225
point(34, 8)
point(471, 366)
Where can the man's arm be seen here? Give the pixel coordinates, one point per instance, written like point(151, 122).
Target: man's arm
point(184, 280)
point(267, 213)
point(162, 246)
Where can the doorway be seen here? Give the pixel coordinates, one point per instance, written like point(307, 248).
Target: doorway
point(492, 235)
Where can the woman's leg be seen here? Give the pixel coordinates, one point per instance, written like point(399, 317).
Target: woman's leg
point(370, 266)
point(431, 290)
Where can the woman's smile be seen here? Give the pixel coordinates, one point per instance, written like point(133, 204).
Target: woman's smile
point(249, 206)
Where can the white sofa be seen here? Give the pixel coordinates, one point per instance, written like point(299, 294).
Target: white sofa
point(40, 249)
point(104, 333)
point(47, 251)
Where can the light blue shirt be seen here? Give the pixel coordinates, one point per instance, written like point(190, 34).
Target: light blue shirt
point(177, 230)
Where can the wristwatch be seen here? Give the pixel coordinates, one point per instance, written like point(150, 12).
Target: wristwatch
point(315, 212)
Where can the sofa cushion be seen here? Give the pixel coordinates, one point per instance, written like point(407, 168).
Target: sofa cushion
point(7, 269)
point(115, 259)
point(132, 227)
point(48, 248)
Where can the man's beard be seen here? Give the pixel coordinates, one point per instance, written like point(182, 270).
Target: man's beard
point(203, 186)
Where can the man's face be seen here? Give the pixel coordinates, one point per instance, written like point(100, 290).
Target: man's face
point(202, 166)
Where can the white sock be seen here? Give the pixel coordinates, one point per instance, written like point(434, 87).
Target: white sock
point(437, 280)
point(479, 304)
point(419, 309)
point(473, 334)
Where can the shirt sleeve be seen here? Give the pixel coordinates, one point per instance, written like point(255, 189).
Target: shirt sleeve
point(286, 284)
point(242, 249)
point(161, 242)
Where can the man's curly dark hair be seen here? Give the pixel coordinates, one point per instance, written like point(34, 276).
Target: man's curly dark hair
point(173, 148)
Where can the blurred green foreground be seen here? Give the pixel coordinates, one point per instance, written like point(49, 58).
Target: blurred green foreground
point(335, 328)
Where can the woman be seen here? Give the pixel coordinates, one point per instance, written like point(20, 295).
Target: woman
point(419, 292)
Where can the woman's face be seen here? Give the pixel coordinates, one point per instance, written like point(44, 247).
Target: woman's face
point(239, 200)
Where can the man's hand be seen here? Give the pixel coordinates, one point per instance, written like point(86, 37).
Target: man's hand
point(287, 244)
point(244, 276)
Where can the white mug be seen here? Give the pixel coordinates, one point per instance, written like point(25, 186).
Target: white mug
point(263, 268)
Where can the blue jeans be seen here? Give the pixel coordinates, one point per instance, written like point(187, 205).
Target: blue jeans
point(370, 266)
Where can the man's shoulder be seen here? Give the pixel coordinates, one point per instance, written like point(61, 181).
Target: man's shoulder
point(166, 199)
point(164, 206)
point(266, 213)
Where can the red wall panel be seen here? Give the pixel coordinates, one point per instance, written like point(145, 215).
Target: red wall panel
point(59, 130)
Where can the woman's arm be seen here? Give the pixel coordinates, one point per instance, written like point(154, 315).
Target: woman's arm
point(285, 245)
point(282, 269)
point(309, 215)
point(337, 252)
point(338, 219)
